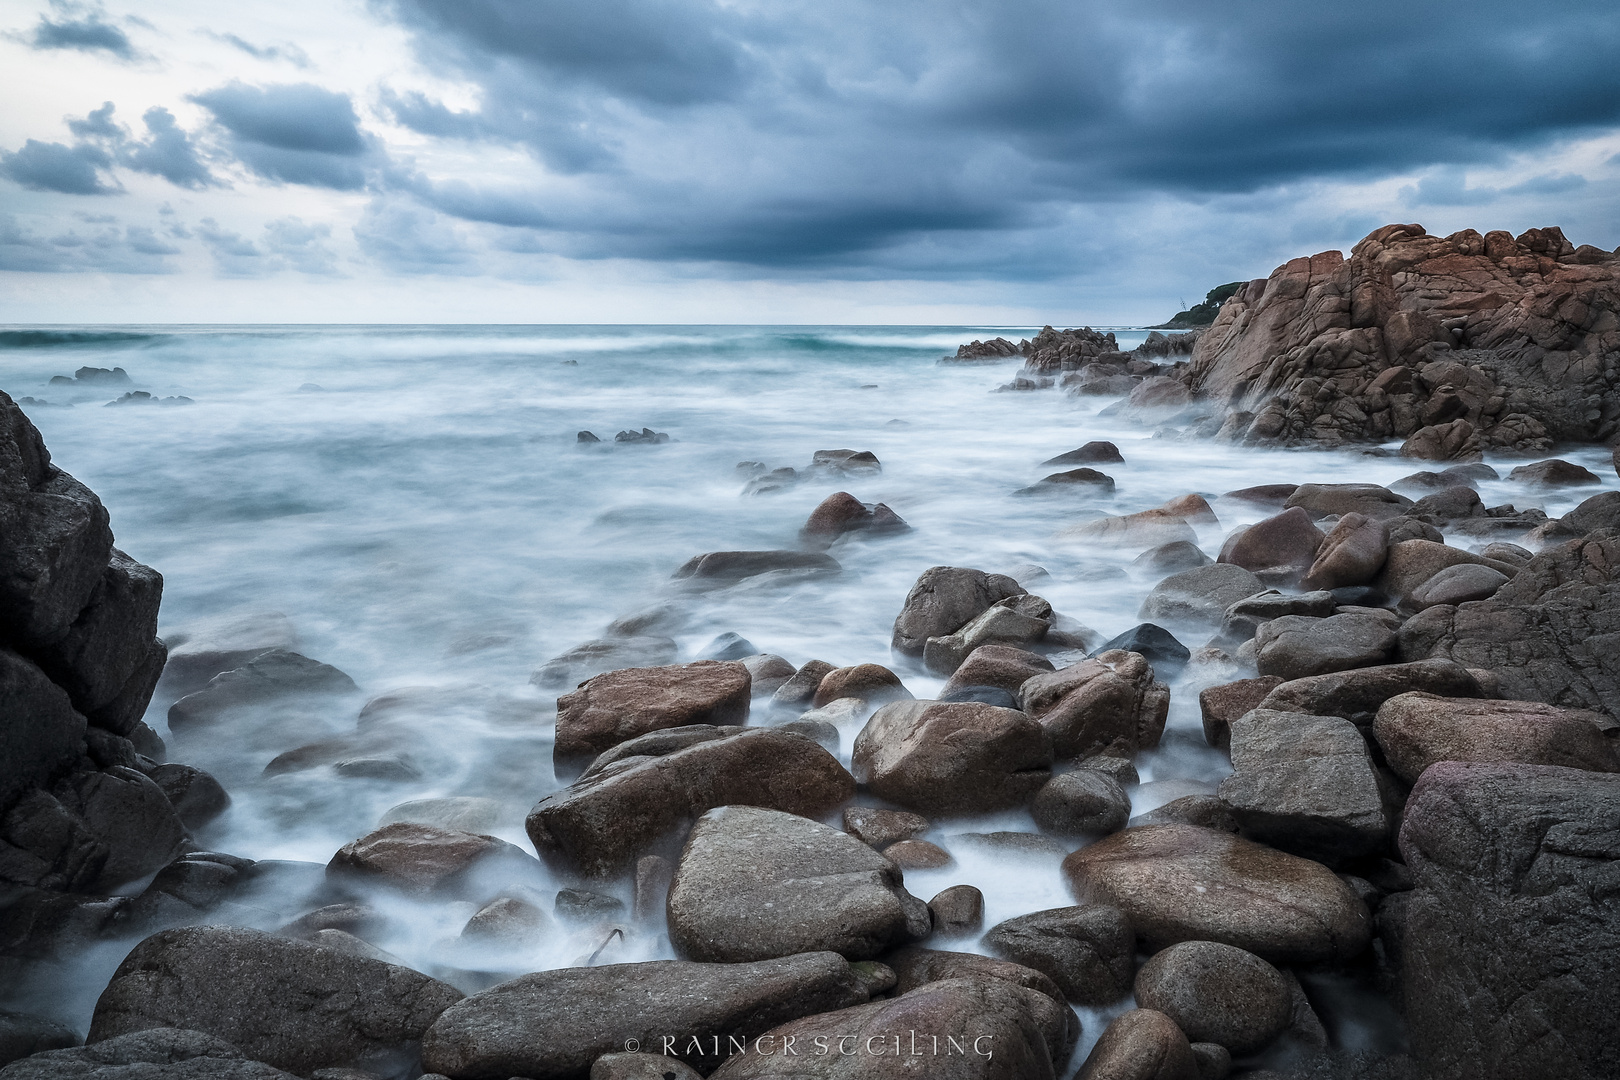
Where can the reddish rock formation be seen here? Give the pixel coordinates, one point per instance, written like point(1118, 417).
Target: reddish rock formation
point(1494, 343)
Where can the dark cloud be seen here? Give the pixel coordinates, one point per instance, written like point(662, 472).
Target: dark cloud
point(98, 124)
point(296, 133)
point(167, 152)
point(89, 33)
point(71, 170)
point(135, 250)
point(809, 133)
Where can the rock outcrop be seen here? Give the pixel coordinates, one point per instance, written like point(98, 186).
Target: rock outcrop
point(1458, 344)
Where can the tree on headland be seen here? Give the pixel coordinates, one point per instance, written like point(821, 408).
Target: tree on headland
point(1202, 314)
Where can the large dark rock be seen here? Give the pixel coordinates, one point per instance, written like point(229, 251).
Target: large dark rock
point(1110, 701)
point(1183, 883)
point(1088, 951)
point(1548, 635)
point(1141, 1044)
point(1015, 1034)
point(1356, 695)
point(944, 599)
point(39, 731)
point(22, 1034)
point(1512, 936)
point(1201, 594)
point(600, 824)
point(1085, 802)
point(620, 705)
point(1298, 646)
point(952, 757)
point(1415, 730)
point(426, 860)
point(56, 548)
point(755, 884)
point(1352, 553)
point(110, 639)
point(1002, 666)
point(159, 1054)
point(1286, 544)
point(551, 1025)
point(296, 1006)
point(1305, 784)
point(129, 814)
point(200, 651)
point(268, 677)
point(1217, 993)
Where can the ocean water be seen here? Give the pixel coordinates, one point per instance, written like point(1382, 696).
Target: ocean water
point(413, 500)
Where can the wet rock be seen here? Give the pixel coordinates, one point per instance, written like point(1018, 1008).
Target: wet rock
point(621, 705)
point(1223, 704)
point(880, 828)
point(1089, 952)
point(729, 567)
point(425, 860)
point(271, 676)
point(1415, 730)
point(1089, 454)
point(118, 810)
point(1552, 473)
point(1085, 802)
point(1023, 620)
point(1457, 585)
point(602, 823)
point(660, 744)
point(773, 480)
point(1305, 784)
point(35, 751)
point(159, 1054)
point(1286, 544)
point(1002, 666)
point(508, 921)
point(767, 673)
point(1172, 557)
point(463, 813)
point(1411, 563)
point(646, 436)
point(1152, 642)
point(945, 599)
point(1296, 646)
point(1141, 1045)
point(1502, 551)
point(1219, 994)
point(1264, 494)
point(1182, 883)
point(109, 643)
point(57, 540)
point(841, 514)
point(1026, 1029)
point(952, 758)
point(1199, 595)
point(1204, 811)
point(22, 1035)
point(291, 1004)
point(1089, 481)
point(729, 646)
point(1357, 695)
point(557, 1023)
point(1214, 1060)
point(1368, 500)
point(582, 907)
point(917, 855)
point(1352, 553)
point(1243, 619)
point(587, 437)
point(1110, 701)
point(604, 654)
point(1450, 505)
point(641, 1067)
point(197, 797)
point(846, 462)
point(871, 683)
point(1510, 943)
point(957, 911)
point(1454, 441)
point(915, 966)
point(1145, 529)
point(800, 689)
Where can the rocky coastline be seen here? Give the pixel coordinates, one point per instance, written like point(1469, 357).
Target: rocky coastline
point(1418, 694)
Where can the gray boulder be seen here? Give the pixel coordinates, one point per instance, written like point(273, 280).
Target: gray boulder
point(199, 651)
point(1511, 936)
point(552, 1025)
point(1297, 646)
point(1415, 730)
point(1200, 595)
point(719, 568)
point(1087, 951)
point(293, 1005)
point(1108, 702)
point(22, 1034)
point(604, 654)
point(1457, 585)
point(1085, 802)
point(620, 705)
point(1336, 500)
point(269, 677)
point(158, 1054)
point(1305, 784)
point(756, 884)
point(1243, 619)
point(600, 824)
point(1357, 694)
point(40, 732)
point(945, 599)
point(1141, 1044)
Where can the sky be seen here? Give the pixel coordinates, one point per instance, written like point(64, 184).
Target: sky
point(1003, 162)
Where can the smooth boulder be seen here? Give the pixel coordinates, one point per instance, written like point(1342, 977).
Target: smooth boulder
point(1217, 993)
point(1087, 951)
point(620, 705)
point(1199, 595)
point(1352, 553)
point(1286, 543)
point(1297, 646)
point(1416, 729)
point(952, 757)
point(1109, 701)
point(1141, 1044)
point(755, 884)
point(944, 599)
point(158, 1054)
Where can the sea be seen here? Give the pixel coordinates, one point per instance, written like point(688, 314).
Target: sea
point(416, 503)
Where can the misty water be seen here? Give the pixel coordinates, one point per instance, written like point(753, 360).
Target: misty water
point(415, 503)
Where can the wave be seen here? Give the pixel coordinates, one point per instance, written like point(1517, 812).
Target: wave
point(52, 339)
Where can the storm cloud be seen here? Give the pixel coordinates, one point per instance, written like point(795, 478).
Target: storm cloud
point(88, 33)
point(296, 133)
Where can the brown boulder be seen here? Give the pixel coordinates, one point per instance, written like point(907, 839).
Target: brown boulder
point(800, 688)
point(952, 758)
point(1297, 646)
point(956, 911)
point(1352, 554)
point(872, 683)
point(1454, 441)
point(880, 828)
point(1089, 952)
point(1201, 594)
point(1110, 700)
point(599, 825)
point(1142, 1044)
point(944, 599)
point(1223, 704)
point(423, 859)
point(1002, 666)
point(620, 705)
point(1554, 472)
point(1413, 562)
point(1415, 730)
point(1357, 694)
point(1217, 993)
point(1288, 541)
point(1193, 507)
point(1145, 529)
point(1183, 883)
